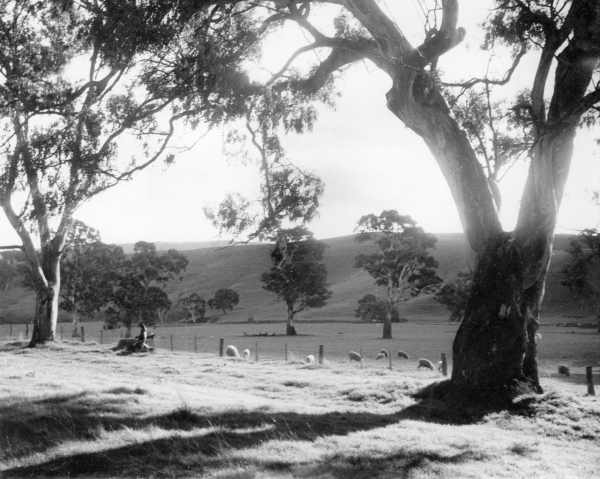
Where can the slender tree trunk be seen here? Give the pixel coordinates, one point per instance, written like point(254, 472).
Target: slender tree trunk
point(75, 319)
point(46, 305)
point(290, 329)
point(387, 325)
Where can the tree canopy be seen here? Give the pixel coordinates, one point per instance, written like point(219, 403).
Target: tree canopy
point(298, 275)
point(403, 264)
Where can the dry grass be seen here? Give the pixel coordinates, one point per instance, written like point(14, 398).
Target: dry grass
point(82, 411)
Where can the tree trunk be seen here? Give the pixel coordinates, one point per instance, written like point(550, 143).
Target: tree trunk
point(46, 304)
point(75, 320)
point(290, 329)
point(495, 347)
point(387, 325)
point(128, 329)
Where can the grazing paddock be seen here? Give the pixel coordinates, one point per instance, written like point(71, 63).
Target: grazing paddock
point(81, 410)
point(571, 346)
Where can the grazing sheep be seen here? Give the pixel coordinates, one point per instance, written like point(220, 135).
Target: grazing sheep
point(354, 356)
point(246, 354)
point(402, 354)
point(563, 370)
point(382, 354)
point(310, 359)
point(232, 351)
point(425, 363)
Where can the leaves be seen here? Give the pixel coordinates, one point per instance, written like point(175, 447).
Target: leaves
point(298, 275)
point(403, 264)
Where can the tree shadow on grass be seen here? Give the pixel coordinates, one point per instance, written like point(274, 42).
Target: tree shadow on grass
point(194, 440)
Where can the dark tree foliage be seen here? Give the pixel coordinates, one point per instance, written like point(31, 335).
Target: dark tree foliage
point(402, 264)
point(224, 299)
point(374, 309)
point(195, 306)
point(139, 294)
point(454, 294)
point(88, 272)
point(10, 270)
point(582, 272)
point(298, 275)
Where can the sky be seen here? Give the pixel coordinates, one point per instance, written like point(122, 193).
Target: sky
point(367, 159)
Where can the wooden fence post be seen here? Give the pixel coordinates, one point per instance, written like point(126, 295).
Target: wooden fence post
point(321, 354)
point(590, 381)
point(82, 334)
point(171, 341)
point(101, 336)
point(61, 332)
point(285, 352)
point(256, 352)
point(389, 359)
point(444, 365)
point(26, 330)
point(221, 344)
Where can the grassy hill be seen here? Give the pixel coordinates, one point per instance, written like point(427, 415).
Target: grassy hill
point(240, 268)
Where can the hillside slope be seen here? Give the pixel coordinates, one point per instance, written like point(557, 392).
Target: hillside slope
point(240, 268)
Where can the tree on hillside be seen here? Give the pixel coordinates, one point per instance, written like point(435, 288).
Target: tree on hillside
point(403, 264)
point(78, 77)
point(372, 308)
point(75, 289)
point(138, 291)
point(494, 352)
point(89, 274)
point(298, 275)
point(224, 299)
point(9, 269)
point(195, 306)
point(582, 272)
point(454, 294)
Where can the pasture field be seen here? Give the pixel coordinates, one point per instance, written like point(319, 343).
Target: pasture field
point(571, 346)
point(81, 410)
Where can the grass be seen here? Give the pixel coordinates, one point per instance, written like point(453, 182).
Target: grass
point(83, 411)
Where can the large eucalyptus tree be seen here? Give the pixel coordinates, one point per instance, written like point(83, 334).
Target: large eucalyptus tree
point(473, 138)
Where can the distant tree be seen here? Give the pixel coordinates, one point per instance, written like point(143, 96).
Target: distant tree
point(224, 299)
point(372, 308)
point(139, 293)
point(195, 306)
point(77, 295)
point(9, 271)
point(454, 294)
point(582, 273)
point(298, 275)
point(403, 264)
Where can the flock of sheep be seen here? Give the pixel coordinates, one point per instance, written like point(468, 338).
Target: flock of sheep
point(233, 352)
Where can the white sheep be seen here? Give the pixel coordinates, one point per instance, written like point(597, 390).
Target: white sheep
point(310, 359)
point(231, 351)
point(564, 370)
point(382, 354)
point(425, 363)
point(246, 354)
point(354, 356)
point(402, 354)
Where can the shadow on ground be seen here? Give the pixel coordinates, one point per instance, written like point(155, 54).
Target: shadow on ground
point(200, 441)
